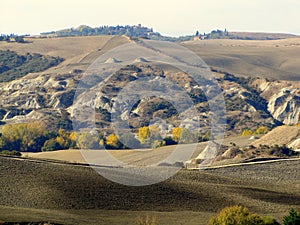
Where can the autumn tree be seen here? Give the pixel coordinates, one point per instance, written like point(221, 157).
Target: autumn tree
point(51, 145)
point(239, 215)
point(177, 132)
point(86, 140)
point(247, 132)
point(113, 141)
point(63, 138)
point(184, 136)
point(144, 134)
point(262, 130)
point(24, 137)
point(149, 134)
point(188, 137)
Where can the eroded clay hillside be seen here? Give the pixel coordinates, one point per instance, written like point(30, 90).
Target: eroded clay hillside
point(251, 101)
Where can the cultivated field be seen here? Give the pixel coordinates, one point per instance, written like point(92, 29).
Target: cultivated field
point(69, 194)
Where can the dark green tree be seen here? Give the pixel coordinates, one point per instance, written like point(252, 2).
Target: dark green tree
point(19, 39)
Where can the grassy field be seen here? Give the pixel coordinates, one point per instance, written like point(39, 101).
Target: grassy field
point(134, 157)
point(68, 194)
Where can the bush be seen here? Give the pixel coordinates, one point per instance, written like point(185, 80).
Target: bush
point(129, 141)
point(169, 141)
point(158, 144)
point(247, 132)
point(87, 140)
point(11, 153)
point(51, 145)
point(239, 215)
point(292, 219)
point(270, 221)
point(281, 151)
point(262, 130)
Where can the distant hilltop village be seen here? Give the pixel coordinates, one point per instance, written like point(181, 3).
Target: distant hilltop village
point(83, 30)
point(139, 31)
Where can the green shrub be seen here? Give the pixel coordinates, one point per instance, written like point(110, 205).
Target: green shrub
point(281, 151)
point(14, 66)
point(51, 145)
point(11, 153)
point(292, 219)
point(169, 141)
point(270, 221)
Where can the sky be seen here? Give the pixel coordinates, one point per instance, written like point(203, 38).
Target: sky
point(169, 17)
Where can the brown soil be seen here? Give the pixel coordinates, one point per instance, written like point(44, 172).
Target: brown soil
point(267, 188)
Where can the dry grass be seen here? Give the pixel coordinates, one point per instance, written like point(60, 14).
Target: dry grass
point(134, 157)
point(78, 52)
point(282, 135)
point(278, 59)
point(67, 47)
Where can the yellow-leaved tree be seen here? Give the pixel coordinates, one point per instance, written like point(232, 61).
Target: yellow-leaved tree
point(63, 138)
point(23, 137)
point(144, 134)
point(177, 132)
point(262, 130)
point(239, 215)
point(247, 132)
point(113, 141)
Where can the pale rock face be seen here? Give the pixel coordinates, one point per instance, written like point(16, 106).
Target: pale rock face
point(47, 92)
point(283, 99)
point(285, 106)
point(295, 144)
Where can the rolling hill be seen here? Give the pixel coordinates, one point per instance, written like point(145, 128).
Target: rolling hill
point(260, 83)
point(251, 73)
point(273, 59)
